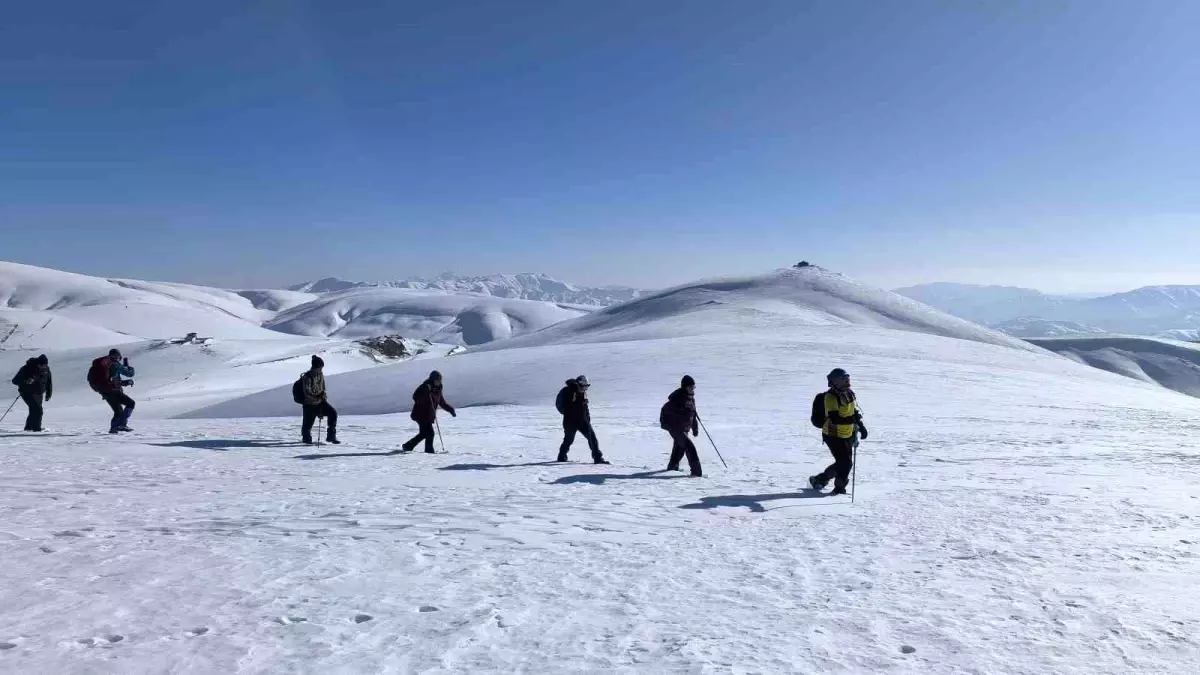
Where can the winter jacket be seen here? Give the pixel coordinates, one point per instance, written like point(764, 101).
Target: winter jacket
point(840, 420)
point(680, 412)
point(34, 379)
point(426, 400)
point(576, 412)
point(117, 372)
point(313, 383)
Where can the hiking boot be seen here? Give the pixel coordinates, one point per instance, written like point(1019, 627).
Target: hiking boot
point(306, 440)
point(561, 458)
point(697, 474)
point(124, 428)
point(332, 439)
point(672, 468)
point(600, 460)
point(837, 491)
point(816, 483)
point(431, 452)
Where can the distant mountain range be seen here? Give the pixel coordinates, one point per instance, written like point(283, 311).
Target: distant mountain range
point(1146, 311)
point(514, 286)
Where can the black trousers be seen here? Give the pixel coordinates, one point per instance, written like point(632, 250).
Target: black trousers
point(34, 401)
point(684, 446)
point(842, 450)
point(312, 412)
point(585, 429)
point(122, 407)
point(424, 433)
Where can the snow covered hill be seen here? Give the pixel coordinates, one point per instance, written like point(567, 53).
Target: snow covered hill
point(995, 527)
point(1044, 328)
point(1183, 335)
point(435, 315)
point(1174, 365)
point(987, 305)
point(515, 286)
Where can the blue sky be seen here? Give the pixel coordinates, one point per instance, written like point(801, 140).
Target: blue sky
point(248, 143)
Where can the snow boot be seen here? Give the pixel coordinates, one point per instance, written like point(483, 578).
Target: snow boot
point(837, 491)
point(307, 440)
point(816, 483)
point(672, 468)
point(600, 460)
point(431, 452)
point(332, 439)
point(562, 457)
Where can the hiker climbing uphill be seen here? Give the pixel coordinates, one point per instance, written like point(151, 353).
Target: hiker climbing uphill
point(841, 425)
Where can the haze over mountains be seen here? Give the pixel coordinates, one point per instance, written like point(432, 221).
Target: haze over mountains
point(1144, 311)
point(518, 286)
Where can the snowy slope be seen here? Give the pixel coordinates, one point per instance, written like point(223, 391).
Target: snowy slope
point(29, 329)
point(435, 315)
point(995, 529)
point(135, 308)
point(1045, 328)
point(1174, 365)
point(985, 304)
point(1183, 335)
point(517, 286)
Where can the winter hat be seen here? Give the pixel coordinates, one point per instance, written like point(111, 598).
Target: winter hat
point(114, 353)
point(836, 374)
point(318, 362)
point(43, 360)
point(688, 381)
point(582, 381)
point(435, 376)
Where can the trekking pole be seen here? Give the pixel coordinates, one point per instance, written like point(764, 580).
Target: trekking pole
point(320, 424)
point(853, 472)
point(439, 430)
point(10, 407)
point(710, 440)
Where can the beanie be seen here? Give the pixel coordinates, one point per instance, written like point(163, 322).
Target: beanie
point(318, 362)
point(688, 381)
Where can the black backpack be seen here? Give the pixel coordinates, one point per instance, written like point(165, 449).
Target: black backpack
point(560, 403)
point(298, 390)
point(818, 411)
point(663, 414)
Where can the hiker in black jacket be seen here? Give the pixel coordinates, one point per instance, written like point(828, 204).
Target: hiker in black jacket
point(577, 418)
point(34, 382)
point(679, 417)
point(426, 400)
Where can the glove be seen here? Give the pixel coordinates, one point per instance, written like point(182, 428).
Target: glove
point(126, 361)
point(48, 397)
point(696, 431)
point(453, 413)
point(862, 431)
point(127, 383)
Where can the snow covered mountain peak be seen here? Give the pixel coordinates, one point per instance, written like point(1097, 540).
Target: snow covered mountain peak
point(524, 286)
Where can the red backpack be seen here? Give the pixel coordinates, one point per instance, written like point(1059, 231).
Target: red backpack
point(98, 375)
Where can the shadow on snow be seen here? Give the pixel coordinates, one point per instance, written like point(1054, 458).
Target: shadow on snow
point(601, 478)
point(754, 502)
point(351, 454)
point(223, 444)
point(489, 467)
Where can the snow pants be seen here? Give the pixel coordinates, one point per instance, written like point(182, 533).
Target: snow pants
point(584, 428)
point(425, 433)
point(34, 401)
point(843, 461)
point(312, 412)
point(684, 446)
point(122, 407)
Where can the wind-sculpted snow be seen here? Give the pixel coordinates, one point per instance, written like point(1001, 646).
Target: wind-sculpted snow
point(435, 315)
point(1174, 365)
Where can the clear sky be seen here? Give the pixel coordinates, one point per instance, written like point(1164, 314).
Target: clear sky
point(256, 143)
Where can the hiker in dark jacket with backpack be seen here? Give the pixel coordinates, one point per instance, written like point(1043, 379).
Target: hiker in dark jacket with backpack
point(678, 417)
point(426, 400)
point(316, 403)
point(572, 402)
point(107, 378)
point(841, 427)
point(34, 383)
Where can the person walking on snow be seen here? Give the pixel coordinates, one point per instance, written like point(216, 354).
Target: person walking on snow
point(843, 425)
point(34, 382)
point(316, 403)
point(678, 417)
point(107, 378)
point(577, 418)
point(426, 400)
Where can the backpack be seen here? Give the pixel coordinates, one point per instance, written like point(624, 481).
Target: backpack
point(663, 415)
point(298, 390)
point(560, 403)
point(818, 411)
point(98, 375)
